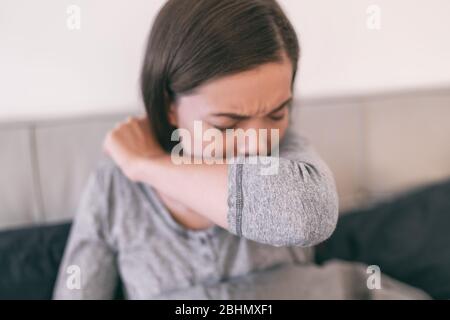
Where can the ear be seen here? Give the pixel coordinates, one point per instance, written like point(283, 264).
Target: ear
point(172, 116)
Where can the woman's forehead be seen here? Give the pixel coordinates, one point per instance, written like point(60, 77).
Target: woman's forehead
point(254, 91)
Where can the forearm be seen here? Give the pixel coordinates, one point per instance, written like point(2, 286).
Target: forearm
point(200, 187)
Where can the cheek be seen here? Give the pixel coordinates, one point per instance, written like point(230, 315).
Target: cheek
point(283, 127)
point(265, 140)
point(186, 122)
point(195, 138)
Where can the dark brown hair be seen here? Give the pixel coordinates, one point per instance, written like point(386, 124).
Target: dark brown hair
point(195, 41)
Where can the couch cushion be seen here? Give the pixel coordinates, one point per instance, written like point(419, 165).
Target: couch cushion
point(30, 259)
point(67, 153)
point(408, 142)
point(18, 189)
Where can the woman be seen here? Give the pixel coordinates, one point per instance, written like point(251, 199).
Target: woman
point(188, 231)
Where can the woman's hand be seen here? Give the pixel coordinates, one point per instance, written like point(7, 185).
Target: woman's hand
point(131, 142)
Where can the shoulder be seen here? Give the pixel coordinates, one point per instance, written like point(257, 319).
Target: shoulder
point(107, 189)
point(109, 175)
point(114, 203)
point(106, 168)
point(123, 195)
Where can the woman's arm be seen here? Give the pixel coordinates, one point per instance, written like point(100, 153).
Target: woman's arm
point(88, 269)
point(296, 206)
point(200, 187)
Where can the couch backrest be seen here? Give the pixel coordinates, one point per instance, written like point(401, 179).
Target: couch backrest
point(377, 147)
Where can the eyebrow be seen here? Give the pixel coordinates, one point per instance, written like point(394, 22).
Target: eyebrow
point(244, 117)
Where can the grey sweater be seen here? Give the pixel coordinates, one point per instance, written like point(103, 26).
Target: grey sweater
point(122, 229)
point(297, 206)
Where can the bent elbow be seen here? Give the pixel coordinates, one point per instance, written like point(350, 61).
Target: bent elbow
point(317, 218)
point(297, 207)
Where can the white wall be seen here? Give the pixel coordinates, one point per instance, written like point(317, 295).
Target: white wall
point(47, 70)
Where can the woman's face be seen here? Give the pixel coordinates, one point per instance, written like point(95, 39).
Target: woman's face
point(256, 99)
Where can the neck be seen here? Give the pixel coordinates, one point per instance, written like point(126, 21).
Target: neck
point(185, 216)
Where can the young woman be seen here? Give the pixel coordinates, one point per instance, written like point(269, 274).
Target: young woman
point(170, 230)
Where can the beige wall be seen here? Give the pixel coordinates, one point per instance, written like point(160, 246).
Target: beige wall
point(46, 70)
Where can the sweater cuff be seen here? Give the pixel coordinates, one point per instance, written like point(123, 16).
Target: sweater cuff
point(235, 198)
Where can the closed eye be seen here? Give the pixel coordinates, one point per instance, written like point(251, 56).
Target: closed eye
point(224, 128)
point(276, 115)
point(279, 118)
point(279, 114)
